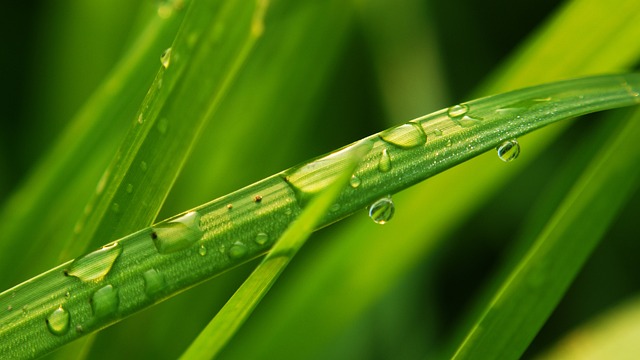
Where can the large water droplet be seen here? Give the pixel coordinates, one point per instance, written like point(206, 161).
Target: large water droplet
point(405, 136)
point(105, 302)
point(508, 150)
point(238, 250)
point(177, 234)
point(382, 211)
point(261, 238)
point(355, 181)
point(458, 110)
point(58, 321)
point(165, 58)
point(384, 164)
point(154, 283)
point(95, 265)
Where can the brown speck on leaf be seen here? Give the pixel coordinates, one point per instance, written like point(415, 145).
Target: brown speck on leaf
point(258, 198)
point(229, 206)
point(154, 235)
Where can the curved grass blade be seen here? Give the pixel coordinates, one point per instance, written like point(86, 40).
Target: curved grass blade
point(152, 264)
point(235, 312)
point(530, 293)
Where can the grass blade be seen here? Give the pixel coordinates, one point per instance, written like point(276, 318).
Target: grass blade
point(157, 262)
point(536, 285)
point(235, 312)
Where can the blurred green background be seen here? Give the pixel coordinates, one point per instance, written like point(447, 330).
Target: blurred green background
point(327, 73)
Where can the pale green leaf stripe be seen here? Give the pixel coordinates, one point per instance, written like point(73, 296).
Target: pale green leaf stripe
point(536, 285)
point(235, 312)
point(155, 263)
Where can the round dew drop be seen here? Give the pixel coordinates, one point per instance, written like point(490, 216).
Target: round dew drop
point(261, 238)
point(385, 161)
point(458, 110)
point(355, 181)
point(382, 211)
point(154, 283)
point(202, 250)
point(58, 321)
point(238, 251)
point(508, 150)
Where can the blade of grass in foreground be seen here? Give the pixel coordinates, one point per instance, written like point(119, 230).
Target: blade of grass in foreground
point(226, 323)
point(531, 292)
point(127, 275)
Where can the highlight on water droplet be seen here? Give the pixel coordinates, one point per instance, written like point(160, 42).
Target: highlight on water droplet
point(508, 150)
point(382, 211)
point(165, 58)
point(202, 250)
point(384, 164)
point(162, 125)
point(58, 321)
point(355, 181)
point(405, 136)
point(261, 238)
point(105, 302)
point(458, 110)
point(154, 283)
point(178, 233)
point(95, 265)
point(238, 250)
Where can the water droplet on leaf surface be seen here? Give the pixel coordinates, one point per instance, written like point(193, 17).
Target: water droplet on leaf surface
point(165, 58)
point(382, 211)
point(202, 250)
point(177, 234)
point(58, 321)
point(458, 110)
point(238, 250)
point(95, 265)
point(154, 283)
point(384, 164)
point(355, 181)
point(508, 150)
point(404, 136)
point(105, 302)
point(261, 238)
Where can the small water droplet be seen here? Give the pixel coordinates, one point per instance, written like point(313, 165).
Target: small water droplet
point(165, 58)
point(95, 265)
point(67, 295)
point(129, 188)
point(385, 161)
point(178, 233)
point(404, 136)
point(140, 119)
point(437, 132)
point(154, 283)
point(508, 150)
point(261, 238)
point(458, 110)
point(115, 207)
point(25, 310)
point(9, 308)
point(229, 206)
point(166, 8)
point(382, 211)
point(355, 181)
point(143, 166)
point(202, 250)
point(105, 302)
point(238, 250)
point(162, 126)
point(449, 143)
point(79, 329)
point(334, 208)
point(58, 321)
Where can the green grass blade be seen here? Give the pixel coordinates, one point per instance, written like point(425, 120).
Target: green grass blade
point(152, 264)
point(235, 312)
point(68, 174)
point(531, 292)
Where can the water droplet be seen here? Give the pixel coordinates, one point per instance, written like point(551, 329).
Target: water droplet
point(67, 295)
point(154, 283)
point(458, 110)
point(129, 188)
point(143, 166)
point(166, 8)
point(385, 161)
point(115, 207)
point(437, 132)
point(334, 208)
point(58, 321)
point(404, 136)
point(105, 302)
point(382, 211)
point(79, 329)
point(165, 58)
point(202, 250)
point(355, 181)
point(508, 150)
point(261, 238)
point(162, 126)
point(25, 310)
point(229, 206)
point(9, 308)
point(140, 119)
point(467, 121)
point(523, 104)
point(178, 233)
point(238, 250)
point(95, 265)
point(449, 143)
